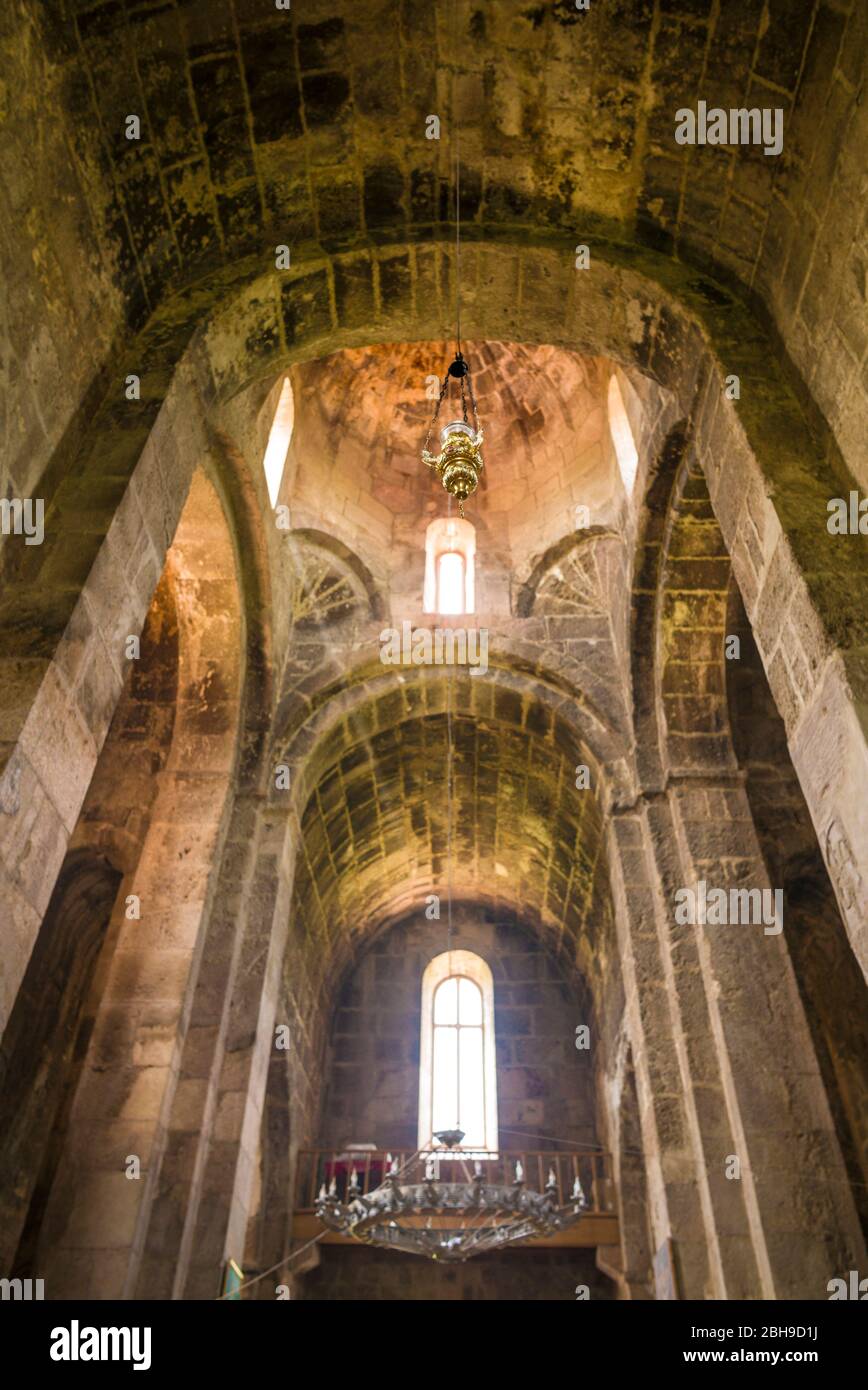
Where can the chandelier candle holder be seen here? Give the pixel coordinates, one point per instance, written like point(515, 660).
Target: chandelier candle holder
point(414, 1211)
point(459, 464)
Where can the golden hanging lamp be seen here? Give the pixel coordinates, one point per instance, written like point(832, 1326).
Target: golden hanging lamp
point(459, 463)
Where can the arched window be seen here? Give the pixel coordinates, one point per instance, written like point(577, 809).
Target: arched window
point(458, 1075)
point(279, 436)
point(622, 436)
point(450, 558)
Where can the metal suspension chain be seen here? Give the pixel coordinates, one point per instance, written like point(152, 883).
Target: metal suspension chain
point(466, 380)
point(443, 389)
point(472, 402)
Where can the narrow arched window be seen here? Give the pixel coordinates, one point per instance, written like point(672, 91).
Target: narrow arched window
point(274, 460)
point(450, 558)
point(622, 436)
point(458, 1075)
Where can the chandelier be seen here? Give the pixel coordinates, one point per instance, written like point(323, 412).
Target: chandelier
point(459, 463)
point(414, 1211)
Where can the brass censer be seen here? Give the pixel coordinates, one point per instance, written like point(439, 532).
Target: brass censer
point(459, 463)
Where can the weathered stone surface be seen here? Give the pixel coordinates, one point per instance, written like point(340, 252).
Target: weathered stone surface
point(149, 778)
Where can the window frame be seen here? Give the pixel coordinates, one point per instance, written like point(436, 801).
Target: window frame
point(280, 433)
point(449, 965)
point(622, 436)
point(450, 535)
point(438, 565)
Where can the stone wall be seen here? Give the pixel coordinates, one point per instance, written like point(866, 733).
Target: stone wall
point(545, 1085)
point(232, 160)
point(44, 1048)
point(514, 1276)
point(546, 1091)
point(156, 256)
point(832, 986)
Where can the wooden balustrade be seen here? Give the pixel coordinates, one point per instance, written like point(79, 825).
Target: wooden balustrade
point(316, 1168)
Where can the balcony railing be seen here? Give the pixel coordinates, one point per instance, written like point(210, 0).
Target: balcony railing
point(316, 1168)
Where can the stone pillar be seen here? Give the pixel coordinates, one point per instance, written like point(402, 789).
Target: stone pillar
point(812, 651)
point(676, 1070)
point(725, 1066)
point(630, 1263)
point(96, 1216)
point(767, 1098)
point(57, 706)
point(202, 1194)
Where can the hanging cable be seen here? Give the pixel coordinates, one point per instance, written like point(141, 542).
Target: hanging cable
point(456, 145)
point(457, 233)
point(450, 753)
point(454, 370)
point(459, 463)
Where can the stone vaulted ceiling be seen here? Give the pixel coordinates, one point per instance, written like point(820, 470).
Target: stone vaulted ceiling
point(362, 415)
point(262, 126)
point(376, 829)
point(310, 123)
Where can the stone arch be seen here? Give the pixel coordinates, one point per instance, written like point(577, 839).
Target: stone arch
point(645, 603)
point(342, 588)
point(661, 319)
point(306, 733)
point(563, 579)
point(105, 848)
point(694, 597)
point(359, 758)
point(635, 1273)
point(130, 1069)
point(831, 985)
point(42, 1049)
point(158, 230)
point(78, 688)
point(680, 605)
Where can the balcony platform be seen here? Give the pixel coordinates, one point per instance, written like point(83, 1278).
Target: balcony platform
point(316, 1168)
point(594, 1230)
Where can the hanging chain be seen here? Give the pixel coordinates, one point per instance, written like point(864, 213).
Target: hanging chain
point(463, 374)
point(457, 242)
point(457, 131)
point(433, 420)
point(450, 753)
point(466, 390)
point(472, 402)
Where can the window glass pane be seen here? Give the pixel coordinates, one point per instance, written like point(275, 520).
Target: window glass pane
point(457, 1076)
point(622, 436)
point(469, 1001)
point(446, 1002)
point(450, 588)
point(445, 1088)
point(472, 1110)
point(278, 442)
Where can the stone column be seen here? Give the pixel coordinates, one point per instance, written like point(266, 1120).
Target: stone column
point(97, 1214)
point(812, 649)
point(676, 1069)
point(767, 1098)
point(57, 706)
point(202, 1198)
